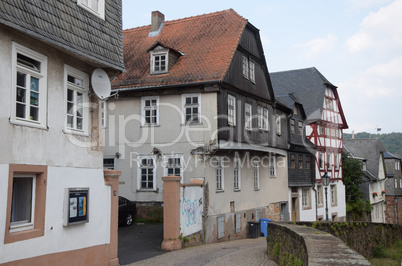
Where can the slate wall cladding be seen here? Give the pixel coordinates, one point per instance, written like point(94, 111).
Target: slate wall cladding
point(68, 26)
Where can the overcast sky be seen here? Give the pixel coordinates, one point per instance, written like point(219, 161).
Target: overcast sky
point(355, 44)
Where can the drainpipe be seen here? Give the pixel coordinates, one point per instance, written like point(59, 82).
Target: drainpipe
point(316, 203)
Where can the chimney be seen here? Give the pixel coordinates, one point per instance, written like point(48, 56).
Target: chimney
point(157, 20)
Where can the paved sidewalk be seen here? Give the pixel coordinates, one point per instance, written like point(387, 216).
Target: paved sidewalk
point(235, 252)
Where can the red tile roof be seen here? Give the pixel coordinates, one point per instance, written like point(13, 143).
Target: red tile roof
point(208, 42)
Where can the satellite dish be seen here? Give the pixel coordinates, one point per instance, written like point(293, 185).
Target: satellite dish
point(101, 83)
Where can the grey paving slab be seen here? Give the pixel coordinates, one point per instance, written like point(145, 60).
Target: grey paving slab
point(236, 252)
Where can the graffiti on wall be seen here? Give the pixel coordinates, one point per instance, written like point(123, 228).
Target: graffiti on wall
point(191, 210)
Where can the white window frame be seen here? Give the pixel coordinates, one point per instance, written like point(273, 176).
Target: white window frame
point(320, 195)
point(245, 67)
point(278, 125)
point(256, 174)
point(220, 177)
point(150, 108)
point(336, 158)
point(396, 182)
point(400, 182)
point(262, 114)
point(99, 12)
point(272, 165)
point(139, 168)
point(156, 54)
point(166, 164)
point(41, 75)
point(22, 226)
point(104, 113)
point(82, 89)
point(305, 198)
point(231, 110)
point(329, 161)
point(248, 115)
point(252, 71)
point(321, 160)
point(236, 174)
point(333, 195)
point(185, 106)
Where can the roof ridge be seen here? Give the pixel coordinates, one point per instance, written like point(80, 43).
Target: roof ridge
point(293, 70)
point(205, 15)
point(179, 20)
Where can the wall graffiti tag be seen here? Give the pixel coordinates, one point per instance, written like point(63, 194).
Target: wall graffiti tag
point(191, 210)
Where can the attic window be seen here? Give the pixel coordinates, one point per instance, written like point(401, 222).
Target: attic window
point(159, 62)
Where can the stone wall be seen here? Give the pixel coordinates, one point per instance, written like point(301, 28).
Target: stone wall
point(361, 236)
point(286, 246)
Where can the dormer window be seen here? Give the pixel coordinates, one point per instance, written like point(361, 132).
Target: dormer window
point(159, 62)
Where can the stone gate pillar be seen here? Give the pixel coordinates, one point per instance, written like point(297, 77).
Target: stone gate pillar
point(111, 178)
point(171, 213)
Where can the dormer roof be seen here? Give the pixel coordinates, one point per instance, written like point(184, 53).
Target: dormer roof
point(206, 44)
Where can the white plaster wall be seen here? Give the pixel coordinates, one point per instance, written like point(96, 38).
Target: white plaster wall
point(28, 145)
point(60, 238)
point(271, 189)
point(125, 135)
point(307, 214)
point(340, 208)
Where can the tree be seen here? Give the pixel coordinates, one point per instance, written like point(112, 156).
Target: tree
point(352, 178)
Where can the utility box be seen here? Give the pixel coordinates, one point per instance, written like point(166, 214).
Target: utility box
point(264, 225)
point(253, 229)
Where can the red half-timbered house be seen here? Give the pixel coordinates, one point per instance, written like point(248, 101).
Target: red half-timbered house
point(324, 125)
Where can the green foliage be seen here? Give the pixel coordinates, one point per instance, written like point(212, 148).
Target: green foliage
point(379, 251)
point(276, 249)
point(186, 239)
point(352, 178)
point(391, 141)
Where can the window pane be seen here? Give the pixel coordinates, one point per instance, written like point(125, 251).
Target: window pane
point(21, 79)
point(79, 123)
point(20, 110)
point(70, 121)
point(34, 84)
point(34, 111)
point(188, 100)
point(34, 98)
point(21, 95)
point(21, 209)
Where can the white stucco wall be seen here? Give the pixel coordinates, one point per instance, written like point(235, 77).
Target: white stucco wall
point(58, 238)
point(70, 165)
point(125, 135)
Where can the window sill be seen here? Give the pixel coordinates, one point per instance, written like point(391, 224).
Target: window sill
point(220, 190)
point(150, 125)
point(78, 133)
point(27, 123)
point(256, 189)
point(146, 190)
point(236, 190)
point(272, 176)
point(192, 124)
point(307, 208)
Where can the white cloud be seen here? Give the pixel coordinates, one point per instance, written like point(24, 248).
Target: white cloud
point(359, 42)
point(319, 45)
point(380, 31)
point(392, 69)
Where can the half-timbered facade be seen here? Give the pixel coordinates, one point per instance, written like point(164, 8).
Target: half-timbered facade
point(197, 102)
point(324, 124)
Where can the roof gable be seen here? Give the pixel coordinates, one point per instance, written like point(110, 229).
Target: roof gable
point(206, 43)
point(370, 149)
point(308, 86)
